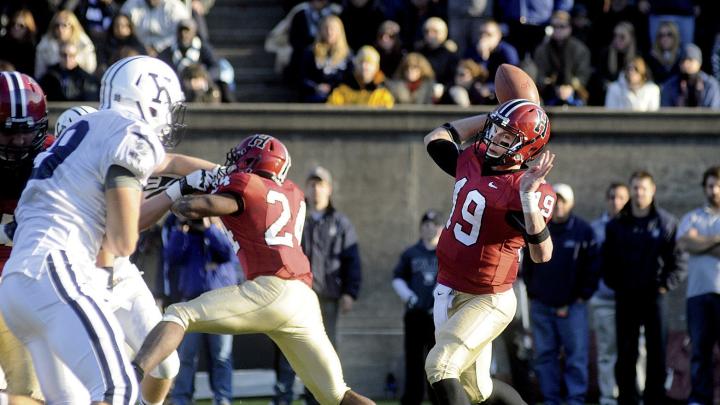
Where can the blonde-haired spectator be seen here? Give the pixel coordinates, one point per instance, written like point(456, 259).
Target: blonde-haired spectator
point(633, 90)
point(325, 62)
point(664, 58)
point(366, 86)
point(414, 81)
point(64, 28)
point(156, 21)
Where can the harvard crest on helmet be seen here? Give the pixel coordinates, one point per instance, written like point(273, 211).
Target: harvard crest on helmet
point(260, 154)
point(23, 110)
point(149, 90)
point(529, 125)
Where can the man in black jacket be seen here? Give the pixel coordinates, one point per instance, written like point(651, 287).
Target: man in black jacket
point(641, 262)
point(67, 81)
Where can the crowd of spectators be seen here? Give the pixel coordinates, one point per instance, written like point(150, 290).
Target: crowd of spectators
point(634, 55)
point(626, 54)
point(66, 45)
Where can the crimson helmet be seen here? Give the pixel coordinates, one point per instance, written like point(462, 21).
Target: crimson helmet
point(530, 126)
point(22, 110)
point(260, 154)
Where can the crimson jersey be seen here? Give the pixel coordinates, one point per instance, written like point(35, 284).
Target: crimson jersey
point(14, 181)
point(478, 252)
point(269, 229)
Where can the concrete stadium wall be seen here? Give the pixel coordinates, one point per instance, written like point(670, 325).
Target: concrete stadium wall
point(384, 181)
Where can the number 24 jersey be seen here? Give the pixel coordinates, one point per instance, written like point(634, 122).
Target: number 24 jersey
point(269, 229)
point(478, 251)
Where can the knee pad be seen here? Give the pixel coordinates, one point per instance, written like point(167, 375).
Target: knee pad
point(437, 366)
point(168, 369)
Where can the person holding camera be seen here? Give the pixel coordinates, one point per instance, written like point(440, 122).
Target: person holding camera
point(199, 257)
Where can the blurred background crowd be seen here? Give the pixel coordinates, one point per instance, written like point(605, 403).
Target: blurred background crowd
point(624, 54)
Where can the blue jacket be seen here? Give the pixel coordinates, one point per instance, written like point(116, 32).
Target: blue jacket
point(418, 267)
point(572, 273)
point(672, 96)
point(194, 262)
point(330, 243)
point(640, 255)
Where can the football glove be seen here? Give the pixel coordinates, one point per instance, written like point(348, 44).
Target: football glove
point(199, 181)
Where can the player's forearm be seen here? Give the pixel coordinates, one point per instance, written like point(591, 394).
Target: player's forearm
point(153, 209)
point(206, 205)
point(465, 129)
point(535, 227)
point(699, 244)
point(121, 220)
point(182, 165)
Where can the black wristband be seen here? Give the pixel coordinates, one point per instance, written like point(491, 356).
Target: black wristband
point(453, 132)
point(538, 238)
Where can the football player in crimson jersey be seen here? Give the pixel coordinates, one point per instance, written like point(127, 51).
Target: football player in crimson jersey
point(265, 214)
point(499, 205)
point(23, 134)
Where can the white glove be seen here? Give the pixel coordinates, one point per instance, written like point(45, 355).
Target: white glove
point(199, 181)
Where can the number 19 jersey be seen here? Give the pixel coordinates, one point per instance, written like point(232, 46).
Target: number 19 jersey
point(63, 205)
point(269, 229)
point(478, 251)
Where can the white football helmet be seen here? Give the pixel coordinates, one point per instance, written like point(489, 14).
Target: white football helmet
point(150, 91)
point(70, 116)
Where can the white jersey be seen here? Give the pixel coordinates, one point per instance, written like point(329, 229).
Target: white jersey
point(63, 204)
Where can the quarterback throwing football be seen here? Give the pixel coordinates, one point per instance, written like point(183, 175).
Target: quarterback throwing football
point(499, 205)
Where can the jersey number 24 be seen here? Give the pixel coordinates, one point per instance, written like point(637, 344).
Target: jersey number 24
point(274, 235)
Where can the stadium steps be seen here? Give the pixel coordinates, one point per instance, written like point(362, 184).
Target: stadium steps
point(237, 30)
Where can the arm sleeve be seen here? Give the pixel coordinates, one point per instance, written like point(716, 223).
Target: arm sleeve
point(136, 152)
point(675, 261)
point(235, 184)
point(612, 98)
point(589, 265)
point(713, 90)
point(402, 269)
point(686, 223)
point(350, 267)
point(445, 154)
point(608, 258)
point(402, 290)
point(666, 94)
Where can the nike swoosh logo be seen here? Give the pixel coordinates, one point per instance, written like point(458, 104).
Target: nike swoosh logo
point(492, 185)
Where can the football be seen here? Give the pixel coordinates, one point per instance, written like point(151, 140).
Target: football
point(512, 82)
